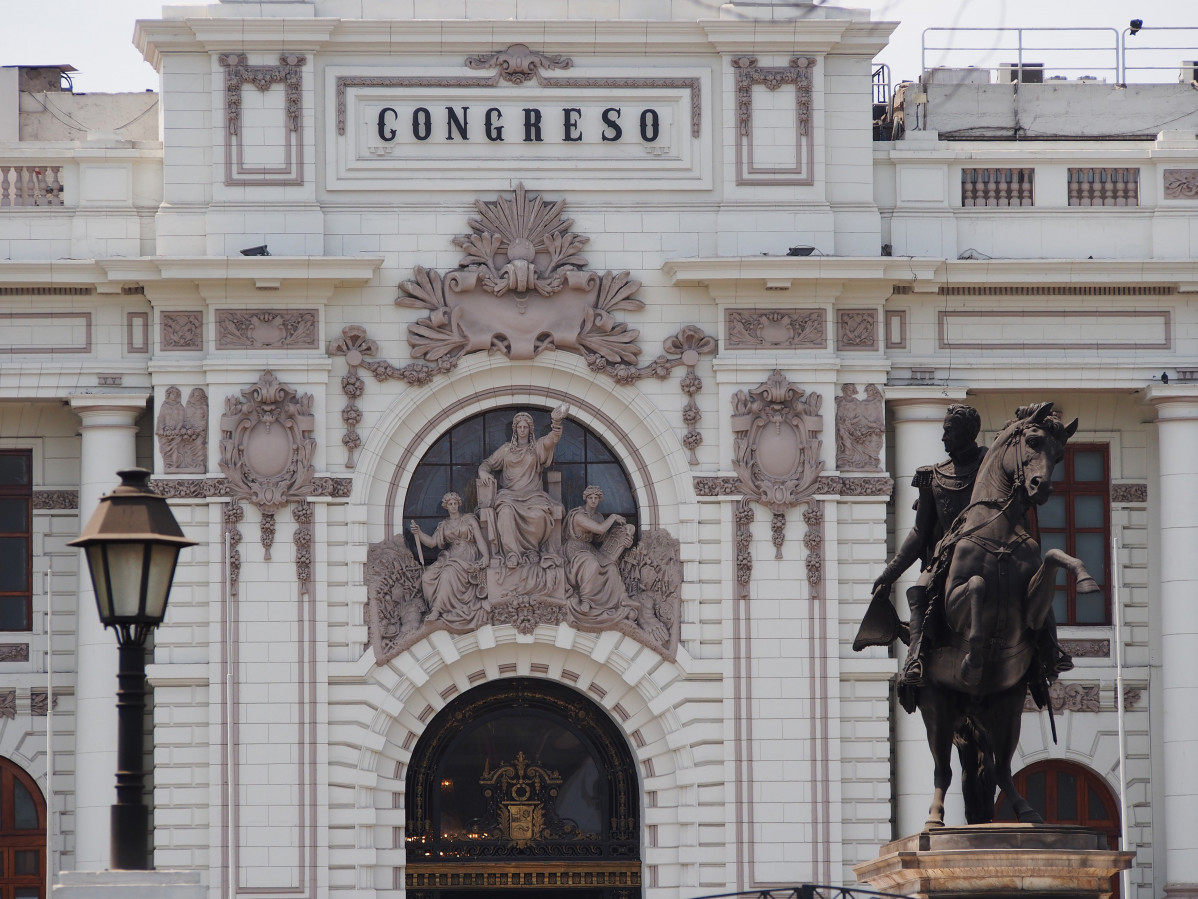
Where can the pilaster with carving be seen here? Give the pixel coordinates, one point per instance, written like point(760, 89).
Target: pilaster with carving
point(182, 432)
point(860, 428)
point(266, 448)
point(775, 452)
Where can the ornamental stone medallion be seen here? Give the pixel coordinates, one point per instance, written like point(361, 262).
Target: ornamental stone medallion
point(266, 448)
point(521, 558)
point(521, 289)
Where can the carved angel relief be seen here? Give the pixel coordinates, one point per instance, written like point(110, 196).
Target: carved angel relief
point(266, 448)
point(521, 289)
point(775, 451)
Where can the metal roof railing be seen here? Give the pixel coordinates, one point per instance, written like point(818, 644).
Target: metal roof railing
point(1159, 50)
point(806, 891)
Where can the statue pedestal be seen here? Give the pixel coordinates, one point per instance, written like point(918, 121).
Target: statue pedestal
point(997, 861)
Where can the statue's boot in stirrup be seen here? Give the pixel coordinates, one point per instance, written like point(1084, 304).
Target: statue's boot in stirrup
point(917, 602)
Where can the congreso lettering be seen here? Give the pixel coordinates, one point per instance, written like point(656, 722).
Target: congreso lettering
point(527, 124)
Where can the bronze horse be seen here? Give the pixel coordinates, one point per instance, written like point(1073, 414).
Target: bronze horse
point(996, 595)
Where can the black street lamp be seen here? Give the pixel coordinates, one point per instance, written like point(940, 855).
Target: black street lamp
point(132, 544)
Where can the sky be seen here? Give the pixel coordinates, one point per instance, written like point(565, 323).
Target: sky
point(96, 36)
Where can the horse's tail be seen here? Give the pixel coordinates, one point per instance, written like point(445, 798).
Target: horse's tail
point(977, 768)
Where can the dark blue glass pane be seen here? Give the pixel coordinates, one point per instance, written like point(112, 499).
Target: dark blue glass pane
point(1052, 513)
point(1089, 511)
point(14, 564)
point(14, 469)
point(429, 484)
point(14, 613)
point(1087, 466)
point(1035, 794)
point(1091, 549)
point(1066, 798)
point(617, 497)
point(1091, 608)
point(24, 808)
point(439, 452)
point(1097, 806)
point(14, 516)
point(467, 442)
point(1060, 608)
point(572, 446)
point(597, 450)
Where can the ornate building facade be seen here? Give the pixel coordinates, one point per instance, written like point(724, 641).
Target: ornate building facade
point(546, 446)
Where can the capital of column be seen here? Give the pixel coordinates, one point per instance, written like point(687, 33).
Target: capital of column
point(109, 410)
point(1173, 402)
point(922, 403)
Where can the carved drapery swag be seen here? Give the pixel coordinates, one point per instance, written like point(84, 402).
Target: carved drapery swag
point(266, 448)
point(860, 427)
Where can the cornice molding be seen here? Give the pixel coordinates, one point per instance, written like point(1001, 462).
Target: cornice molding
point(797, 36)
point(928, 274)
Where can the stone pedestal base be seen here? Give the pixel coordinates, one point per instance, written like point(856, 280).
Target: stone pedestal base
point(997, 861)
point(129, 885)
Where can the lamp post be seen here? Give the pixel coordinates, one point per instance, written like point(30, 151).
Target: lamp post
point(132, 543)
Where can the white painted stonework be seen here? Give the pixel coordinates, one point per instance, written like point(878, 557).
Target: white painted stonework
point(354, 139)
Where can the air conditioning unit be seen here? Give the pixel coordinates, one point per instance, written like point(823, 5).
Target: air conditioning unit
point(1189, 71)
point(1028, 73)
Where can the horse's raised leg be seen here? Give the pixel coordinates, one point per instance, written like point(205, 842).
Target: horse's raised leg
point(1042, 587)
point(938, 720)
point(975, 595)
point(1005, 717)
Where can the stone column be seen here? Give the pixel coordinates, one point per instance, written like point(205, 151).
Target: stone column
point(108, 431)
point(1177, 438)
point(917, 414)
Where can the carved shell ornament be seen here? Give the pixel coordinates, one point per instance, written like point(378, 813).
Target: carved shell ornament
point(521, 289)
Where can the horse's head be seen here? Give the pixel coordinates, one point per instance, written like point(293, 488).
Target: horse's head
point(1036, 438)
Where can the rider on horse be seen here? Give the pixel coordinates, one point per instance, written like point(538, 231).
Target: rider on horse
point(944, 492)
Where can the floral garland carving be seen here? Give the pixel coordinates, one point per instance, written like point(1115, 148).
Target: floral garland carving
point(517, 64)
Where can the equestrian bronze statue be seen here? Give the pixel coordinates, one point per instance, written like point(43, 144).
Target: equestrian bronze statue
point(982, 632)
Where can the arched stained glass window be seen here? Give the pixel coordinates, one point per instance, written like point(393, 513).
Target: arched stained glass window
point(451, 464)
point(522, 783)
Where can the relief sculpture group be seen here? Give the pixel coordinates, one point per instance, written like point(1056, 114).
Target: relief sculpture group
point(522, 558)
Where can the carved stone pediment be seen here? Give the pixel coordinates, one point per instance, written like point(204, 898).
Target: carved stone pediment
point(521, 289)
point(266, 448)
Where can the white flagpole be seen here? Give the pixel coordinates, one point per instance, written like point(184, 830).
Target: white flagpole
point(1117, 616)
point(49, 732)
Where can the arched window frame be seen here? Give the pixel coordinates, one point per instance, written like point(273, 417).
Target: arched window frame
point(24, 848)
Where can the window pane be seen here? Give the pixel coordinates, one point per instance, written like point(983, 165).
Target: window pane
point(14, 564)
point(25, 862)
point(1060, 606)
point(1054, 541)
point(1087, 466)
point(1052, 513)
point(1091, 608)
point(597, 451)
point(1089, 511)
point(1091, 549)
point(1098, 810)
point(14, 516)
point(14, 469)
point(1035, 793)
point(14, 613)
point(27, 893)
point(24, 808)
point(572, 446)
point(467, 442)
point(1066, 798)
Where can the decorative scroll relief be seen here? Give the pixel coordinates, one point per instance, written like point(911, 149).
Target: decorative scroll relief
point(768, 329)
point(1078, 697)
point(182, 331)
point(252, 163)
point(857, 329)
point(775, 141)
point(266, 448)
point(1181, 184)
point(775, 452)
point(182, 432)
point(398, 127)
point(521, 289)
point(860, 428)
point(266, 329)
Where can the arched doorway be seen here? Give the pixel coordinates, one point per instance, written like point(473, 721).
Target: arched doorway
point(523, 787)
point(1068, 793)
point(22, 835)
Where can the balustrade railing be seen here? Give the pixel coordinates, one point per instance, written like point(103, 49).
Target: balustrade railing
point(30, 185)
point(997, 187)
point(1106, 186)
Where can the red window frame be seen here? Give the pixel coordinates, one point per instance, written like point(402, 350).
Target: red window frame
point(22, 492)
point(14, 843)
